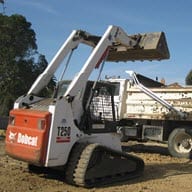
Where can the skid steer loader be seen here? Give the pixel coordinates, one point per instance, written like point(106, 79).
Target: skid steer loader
point(67, 130)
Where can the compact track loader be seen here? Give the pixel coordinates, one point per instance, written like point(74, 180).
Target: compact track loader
point(67, 130)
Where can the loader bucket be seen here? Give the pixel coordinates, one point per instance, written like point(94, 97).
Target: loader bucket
point(151, 46)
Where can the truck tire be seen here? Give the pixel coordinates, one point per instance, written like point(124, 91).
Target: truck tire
point(180, 143)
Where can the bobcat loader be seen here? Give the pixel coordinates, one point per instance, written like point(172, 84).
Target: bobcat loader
point(66, 130)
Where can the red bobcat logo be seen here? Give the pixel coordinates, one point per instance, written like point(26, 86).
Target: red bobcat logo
point(12, 136)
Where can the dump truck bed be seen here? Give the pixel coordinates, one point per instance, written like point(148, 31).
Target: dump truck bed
point(139, 105)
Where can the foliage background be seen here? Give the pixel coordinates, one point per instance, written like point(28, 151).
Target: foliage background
point(20, 62)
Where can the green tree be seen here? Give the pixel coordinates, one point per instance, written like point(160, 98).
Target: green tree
point(188, 79)
point(20, 62)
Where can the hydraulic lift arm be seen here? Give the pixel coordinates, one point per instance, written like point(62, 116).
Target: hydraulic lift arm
point(71, 43)
point(115, 45)
point(112, 35)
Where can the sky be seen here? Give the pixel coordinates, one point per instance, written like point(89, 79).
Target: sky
point(53, 21)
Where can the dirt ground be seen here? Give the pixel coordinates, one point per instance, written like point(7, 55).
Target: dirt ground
point(162, 173)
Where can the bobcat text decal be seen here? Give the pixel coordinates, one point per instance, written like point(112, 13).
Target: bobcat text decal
point(26, 139)
point(23, 139)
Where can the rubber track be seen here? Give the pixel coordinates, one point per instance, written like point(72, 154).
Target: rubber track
point(79, 161)
point(73, 160)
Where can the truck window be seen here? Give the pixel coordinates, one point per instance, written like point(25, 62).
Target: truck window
point(117, 87)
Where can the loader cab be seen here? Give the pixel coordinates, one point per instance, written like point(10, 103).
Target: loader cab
point(99, 108)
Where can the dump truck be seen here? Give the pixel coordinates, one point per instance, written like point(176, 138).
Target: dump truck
point(64, 130)
point(148, 110)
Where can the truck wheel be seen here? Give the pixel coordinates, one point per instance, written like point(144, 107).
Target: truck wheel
point(180, 143)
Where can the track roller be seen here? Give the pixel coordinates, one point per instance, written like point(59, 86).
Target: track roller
point(92, 165)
